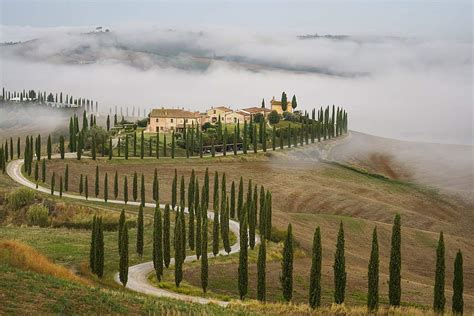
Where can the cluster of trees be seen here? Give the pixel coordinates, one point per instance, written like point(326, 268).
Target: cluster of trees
point(43, 97)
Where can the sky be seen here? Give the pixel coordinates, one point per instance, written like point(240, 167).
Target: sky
point(415, 57)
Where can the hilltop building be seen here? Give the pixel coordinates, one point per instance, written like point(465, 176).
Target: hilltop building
point(276, 106)
point(168, 120)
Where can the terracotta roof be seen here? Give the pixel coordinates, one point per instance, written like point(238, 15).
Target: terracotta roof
point(241, 112)
point(173, 113)
point(255, 109)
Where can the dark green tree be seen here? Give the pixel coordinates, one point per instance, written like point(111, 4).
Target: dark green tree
point(142, 145)
point(123, 274)
point(315, 276)
point(66, 177)
point(204, 261)
point(261, 271)
point(395, 266)
point(174, 188)
point(43, 170)
point(232, 200)
point(99, 249)
point(458, 285)
point(339, 268)
point(96, 187)
point(86, 188)
point(121, 223)
point(92, 249)
point(140, 231)
point(373, 275)
point(243, 256)
point(284, 102)
point(240, 199)
point(286, 277)
point(173, 145)
point(439, 298)
point(294, 104)
point(106, 187)
point(49, 147)
point(116, 185)
point(61, 146)
point(178, 260)
point(142, 190)
point(158, 244)
point(166, 236)
point(53, 179)
point(135, 186)
point(125, 189)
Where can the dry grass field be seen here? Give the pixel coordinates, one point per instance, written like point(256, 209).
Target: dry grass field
point(309, 193)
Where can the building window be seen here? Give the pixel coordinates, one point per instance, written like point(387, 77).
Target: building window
point(156, 120)
point(156, 129)
point(214, 111)
point(171, 120)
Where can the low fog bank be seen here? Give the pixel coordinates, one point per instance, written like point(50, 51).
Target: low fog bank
point(408, 89)
point(442, 166)
point(20, 121)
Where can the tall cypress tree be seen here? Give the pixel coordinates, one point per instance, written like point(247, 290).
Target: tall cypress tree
point(232, 200)
point(140, 232)
point(156, 192)
point(134, 144)
point(261, 215)
point(142, 145)
point(204, 261)
point(394, 283)
point(142, 190)
point(49, 147)
point(93, 147)
point(96, 187)
point(373, 275)
point(243, 256)
point(178, 260)
point(166, 236)
point(36, 168)
point(173, 145)
point(111, 150)
point(158, 244)
point(286, 277)
point(43, 170)
point(135, 186)
point(240, 199)
point(123, 274)
point(340, 268)
point(92, 249)
point(174, 188)
point(439, 298)
point(251, 216)
point(315, 276)
point(191, 210)
point(106, 187)
point(121, 223)
point(261, 271)
point(86, 188)
point(198, 215)
point(61, 146)
point(126, 147)
point(53, 179)
point(99, 249)
point(225, 226)
point(116, 185)
point(458, 285)
point(125, 190)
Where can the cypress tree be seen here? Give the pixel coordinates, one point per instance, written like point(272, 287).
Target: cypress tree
point(439, 298)
point(60, 186)
point(156, 187)
point(116, 185)
point(254, 139)
point(268, 215)
point(225, 227)
point(125, 189)
point(232, 200)
point(166, 236)
point(373, 275)
point(96, 181)
point(243, 256)
point(178, 260)
point(181, 191)
point(458, 285)
point(286, 277)
point(198, 215)
point(36, 169)
point(92, 250)
point(273, 138)
point(99, 248)
point(121, 223)
point(49, 147)
point(66, 177)
point(61, 146)
point(142, 145)
point(111, 150)
point(164, 145)
point(43, 170)
point(126, 147)
point(339, 268)
point(134, 144)
point(86, 188)
point(261, 271)
point(173, 145)
point(93, 147)
point(240, 199)
point(18, 148)
point(191, 210)
point(53, 178)
point(215, 231)
point(245, 138)
point(394, 284)
point(204, 261)
point(251, 216)
point(123, 274)
point(108, 123)
point(315, 276)
point(174, 188)
point(261, 215)
point(140, 232)
point(142, 190)
point(135, 186)
point(157, 145)
point(158, 244)
point(106, 187)
point(81, 185)
point(284, 102)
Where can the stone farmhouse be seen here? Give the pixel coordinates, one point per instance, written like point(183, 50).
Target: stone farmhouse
point(168, 120)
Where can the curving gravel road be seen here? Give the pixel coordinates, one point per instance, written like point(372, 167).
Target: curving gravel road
point(137, 274)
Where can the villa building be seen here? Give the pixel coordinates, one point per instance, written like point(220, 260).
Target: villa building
point(168, 120)
point(214, 113)
point(276, 106)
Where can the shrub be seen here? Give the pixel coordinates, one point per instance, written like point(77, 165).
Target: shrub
point(19, 198)
point(37, 215)
point(274, 117)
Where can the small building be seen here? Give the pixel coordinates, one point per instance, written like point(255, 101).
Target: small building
point(276, 106)
point(236, 116)
point(168, 120)
point(219, 111)
point(256, 110)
